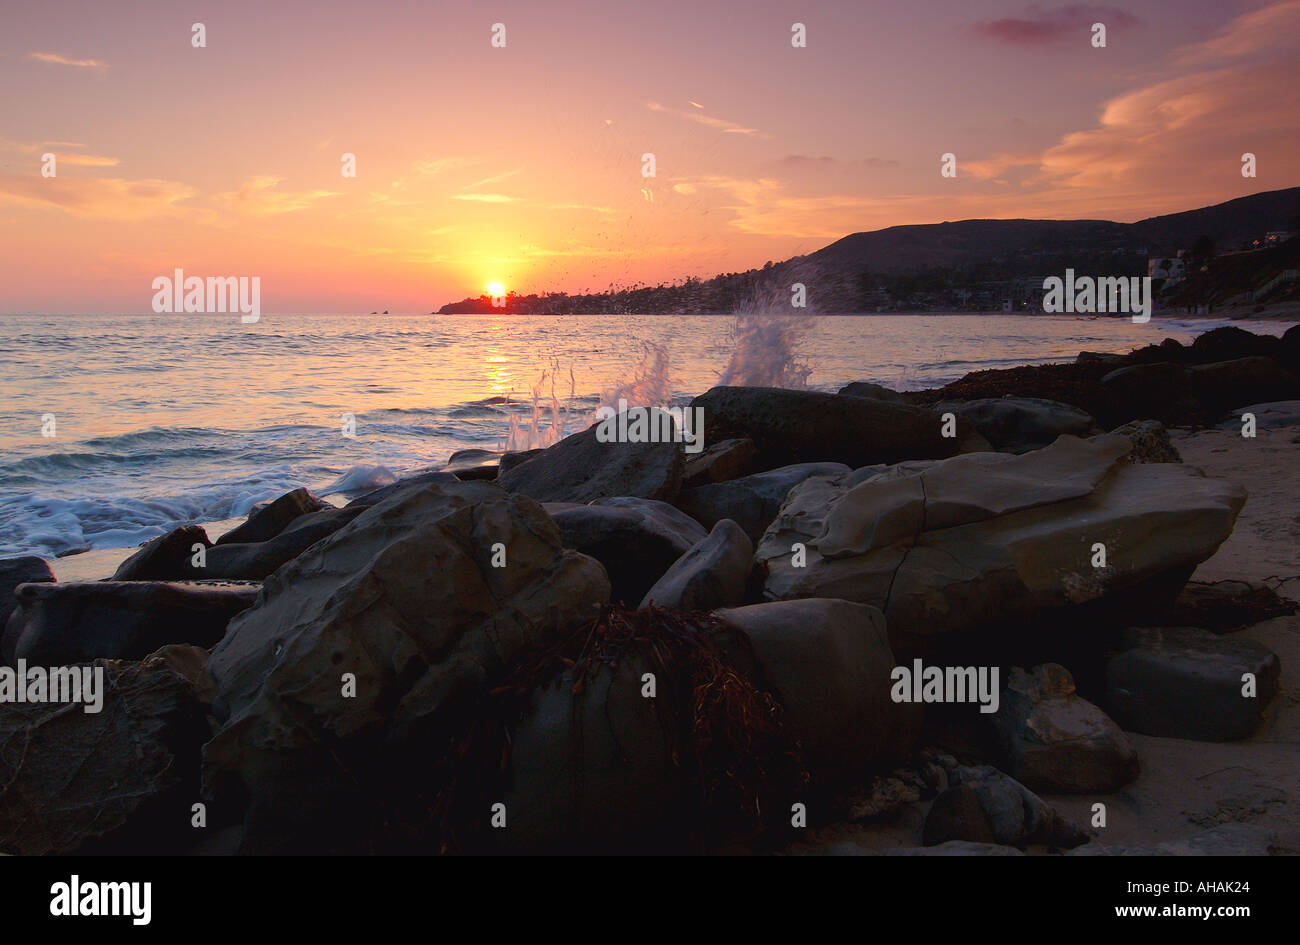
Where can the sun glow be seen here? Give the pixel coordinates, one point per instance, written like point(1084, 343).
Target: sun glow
point(496, 289)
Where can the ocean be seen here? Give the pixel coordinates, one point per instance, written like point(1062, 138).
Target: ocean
point(117, 428)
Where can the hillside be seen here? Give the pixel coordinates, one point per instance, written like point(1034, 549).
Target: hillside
point(968, 265)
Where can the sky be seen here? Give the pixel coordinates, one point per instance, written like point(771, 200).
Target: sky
point(524, 163)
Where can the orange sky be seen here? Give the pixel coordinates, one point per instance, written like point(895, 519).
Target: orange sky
point(524, 164)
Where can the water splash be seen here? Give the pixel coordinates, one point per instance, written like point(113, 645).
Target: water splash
point(765, 338)
point(548, 418)
point(648, 385)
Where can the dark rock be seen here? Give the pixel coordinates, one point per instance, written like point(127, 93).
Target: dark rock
point(1051, 740)
point(986, 806)
point(751, 501)
point(1230, 343)
point(1182, 682)
point(61, 624)
point(801, 426)
point(636, 540)
point(712, 574)
point(828, 662)
point(416, 481)
point(28, 569)
point(580, 468)
point(1020, 424)
point(268, 520)
point(256, 560)
point(1223, 606)
point(729, 459)
point(1226, 384)
point(473, 464)
point(872, 392)
point(407, 600)
point(166, 558)
point(1161, 389)
point(512, 459)
point(118, 781)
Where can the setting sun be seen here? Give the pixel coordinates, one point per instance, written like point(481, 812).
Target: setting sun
point(496, 289)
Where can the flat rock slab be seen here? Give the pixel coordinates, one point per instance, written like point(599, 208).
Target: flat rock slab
point(1269, 416)
point(580, 468)
point(62, 624)
point(751, 501)
point(1184, 682)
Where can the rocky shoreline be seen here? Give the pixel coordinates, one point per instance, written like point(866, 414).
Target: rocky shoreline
point(622, 647)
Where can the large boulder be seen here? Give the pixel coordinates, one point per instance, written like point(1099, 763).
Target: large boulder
point(1183, 682)
point(1052, 740)
point(1225, 384)
point(1159, 389)
point(712, 574)
point(580, 468)
point(270, 519)
point(637, 540)
point(120, 780)
point(339, 688)
point(989, 538)
point(829, 664)
point(751, 501)
point(872, 392)
point(61, 624)
point(1230, 343)
point(803, 426)
point(1020, 424)
point(983, 805)
point(28, 569)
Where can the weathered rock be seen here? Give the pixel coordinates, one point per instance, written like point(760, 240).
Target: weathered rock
point(266, 521)
point(165, 558)
point(1183, 682)
point(61, 624)
point(190, 662)
point(828, 662)
point(712, 574)
point(872, 392)
point(1052, 740)
point(118, 781)
point(1229, 343)
point(1222, 385)
point(751, 501)
point(515, 458)
point(1281, 413)
point(415, 481)
point(1151, 443)
point(982, 539)
point(28, 569)
point(637, 540)
point(406, 600)
point(1020, 424)
point(253, 561)
point(1223, 606)
point(1159, 389)
point(473, 464)
point(581, 469)
point(986, 806)
point(801, 426)
point(1224, 840)
point(593, 771)
point(729, 459)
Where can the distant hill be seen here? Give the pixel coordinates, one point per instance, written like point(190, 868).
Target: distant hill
point(975, 265)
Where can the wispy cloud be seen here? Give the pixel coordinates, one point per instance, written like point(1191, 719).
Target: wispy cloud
point(96, 197)
point(59, 60)
point(1039, 27)
point(486, 198)
point(260, 197)
point(726, 127)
